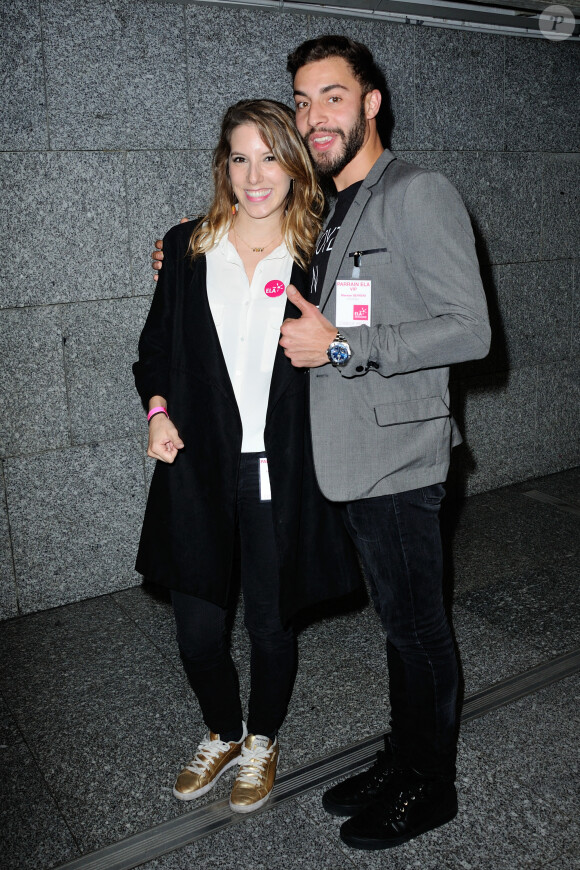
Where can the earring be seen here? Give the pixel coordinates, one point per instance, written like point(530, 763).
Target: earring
point(233, 209)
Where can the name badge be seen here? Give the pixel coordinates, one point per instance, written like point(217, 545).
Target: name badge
point(353, 302)
point(265, 493)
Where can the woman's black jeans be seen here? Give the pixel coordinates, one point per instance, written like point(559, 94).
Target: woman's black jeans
point(203, 627)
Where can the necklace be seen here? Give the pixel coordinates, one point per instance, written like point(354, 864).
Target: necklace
point(251, 247)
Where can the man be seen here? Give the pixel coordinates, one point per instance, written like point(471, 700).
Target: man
point(396, 281)
point(395, 298)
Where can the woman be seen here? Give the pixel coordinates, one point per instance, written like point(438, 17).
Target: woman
point(228, 424)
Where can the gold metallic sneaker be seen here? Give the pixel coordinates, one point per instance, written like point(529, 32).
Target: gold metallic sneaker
point(212, 758)
point(255, 779)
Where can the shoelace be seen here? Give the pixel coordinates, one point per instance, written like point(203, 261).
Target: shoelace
point(396, 804)
point(377, 774)
point(207, 751)
point(252, 764)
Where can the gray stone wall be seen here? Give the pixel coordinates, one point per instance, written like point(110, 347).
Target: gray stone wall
point(109, 114)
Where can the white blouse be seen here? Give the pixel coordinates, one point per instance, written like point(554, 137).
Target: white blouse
point(248, 319)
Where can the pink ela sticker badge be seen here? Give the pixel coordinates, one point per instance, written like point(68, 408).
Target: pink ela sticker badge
point(274, 288)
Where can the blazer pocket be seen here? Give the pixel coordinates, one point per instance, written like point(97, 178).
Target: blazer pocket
point(375, 259)
point(414, 411)
point(372, 266)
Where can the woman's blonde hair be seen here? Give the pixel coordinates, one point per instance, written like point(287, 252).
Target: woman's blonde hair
point(305, 202)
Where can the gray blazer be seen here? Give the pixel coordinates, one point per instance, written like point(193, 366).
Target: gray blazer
point(382, 424)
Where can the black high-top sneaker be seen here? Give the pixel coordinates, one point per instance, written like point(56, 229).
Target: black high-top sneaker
point(362, 789)
point(411, 806)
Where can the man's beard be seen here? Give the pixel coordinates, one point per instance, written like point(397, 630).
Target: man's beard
point(329, 166)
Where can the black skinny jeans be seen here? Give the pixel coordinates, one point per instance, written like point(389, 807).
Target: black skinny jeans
point(203, 627)
point(399, 542)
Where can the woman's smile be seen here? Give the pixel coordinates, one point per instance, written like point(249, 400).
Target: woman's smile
point(258, 195)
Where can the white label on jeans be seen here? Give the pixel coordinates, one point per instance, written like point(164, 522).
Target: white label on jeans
point(265, 494)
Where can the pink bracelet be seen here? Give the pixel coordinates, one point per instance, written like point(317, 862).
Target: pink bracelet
point(158, 410)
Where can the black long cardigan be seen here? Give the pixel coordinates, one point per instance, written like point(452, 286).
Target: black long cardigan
point(189, 531)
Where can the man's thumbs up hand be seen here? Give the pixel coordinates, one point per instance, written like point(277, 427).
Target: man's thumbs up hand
point(307, 308)
point(306, 339)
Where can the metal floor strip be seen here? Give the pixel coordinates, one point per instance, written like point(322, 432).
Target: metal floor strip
point(190, 827)
point(567, 506)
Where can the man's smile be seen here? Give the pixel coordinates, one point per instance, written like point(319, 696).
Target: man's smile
point(322, 140)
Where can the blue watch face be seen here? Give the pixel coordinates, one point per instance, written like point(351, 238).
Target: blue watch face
point(339, 353)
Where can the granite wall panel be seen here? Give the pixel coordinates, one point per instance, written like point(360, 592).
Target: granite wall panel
point(542, 95)
point(32, 387)
point(116, 74)
point(575, 349)
point(499, 426)
point(249, 63)
point(64, 227)
point(558, 433)
point(75, 517)
point(162, 188)
point(23, 119)
point(8, 595)
point(536, 307)
point(458, 94)
point(100, 346)
point(561, 206)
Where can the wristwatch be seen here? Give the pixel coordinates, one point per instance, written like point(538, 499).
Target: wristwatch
point(338, 351)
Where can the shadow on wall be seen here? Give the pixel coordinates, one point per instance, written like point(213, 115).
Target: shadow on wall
point(385, 118)
point(490, 372)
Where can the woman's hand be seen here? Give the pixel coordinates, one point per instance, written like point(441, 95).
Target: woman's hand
point(164, 440)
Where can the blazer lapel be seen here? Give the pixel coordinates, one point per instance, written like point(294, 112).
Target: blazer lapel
point(349, 224)
point(342, 242)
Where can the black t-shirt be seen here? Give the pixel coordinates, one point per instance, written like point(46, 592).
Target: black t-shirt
point(317, 271)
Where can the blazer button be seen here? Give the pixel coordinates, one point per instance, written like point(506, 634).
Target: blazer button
point(359, 369)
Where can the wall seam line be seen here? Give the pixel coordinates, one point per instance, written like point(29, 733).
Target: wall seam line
point(44, 76)
point(10, 539)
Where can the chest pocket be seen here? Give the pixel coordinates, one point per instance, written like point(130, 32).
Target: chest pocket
point(366, 264)
point(375, 259)
point(373, 262)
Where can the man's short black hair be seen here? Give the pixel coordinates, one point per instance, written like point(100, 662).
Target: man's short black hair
point(357, 55)
point(363, 65)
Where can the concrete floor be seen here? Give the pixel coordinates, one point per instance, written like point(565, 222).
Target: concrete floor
point(96, 716)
